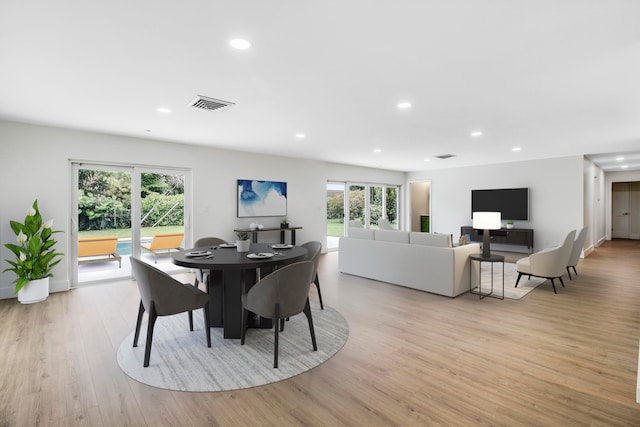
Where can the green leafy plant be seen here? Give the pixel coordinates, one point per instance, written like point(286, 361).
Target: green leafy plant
point(242, 235)
point(35, 253)
point(284, 220)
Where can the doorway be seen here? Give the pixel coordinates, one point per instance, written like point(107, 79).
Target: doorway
point(420, 195)
point(116, 210)
point(335, 213)
point(625, 210)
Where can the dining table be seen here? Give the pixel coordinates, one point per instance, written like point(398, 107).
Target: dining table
point(232, 273)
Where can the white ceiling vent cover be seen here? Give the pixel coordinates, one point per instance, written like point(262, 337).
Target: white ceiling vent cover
point(210, 104)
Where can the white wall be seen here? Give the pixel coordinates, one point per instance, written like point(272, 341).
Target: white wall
point(594, 205)
point(555, 195)
point(35, 164)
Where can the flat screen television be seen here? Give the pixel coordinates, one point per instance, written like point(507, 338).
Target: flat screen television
point(513, 203)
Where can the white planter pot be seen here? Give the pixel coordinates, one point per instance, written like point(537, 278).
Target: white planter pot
point(34, 291)
point(243, 245)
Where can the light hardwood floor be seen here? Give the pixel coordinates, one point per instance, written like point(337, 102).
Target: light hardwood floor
point(412, 358)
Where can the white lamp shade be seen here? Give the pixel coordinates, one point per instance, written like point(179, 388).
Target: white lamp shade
point(487, 220)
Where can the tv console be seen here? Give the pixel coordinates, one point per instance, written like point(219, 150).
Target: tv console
point(504, 236)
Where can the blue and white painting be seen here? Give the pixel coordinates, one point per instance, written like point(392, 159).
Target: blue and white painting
point(261, 198)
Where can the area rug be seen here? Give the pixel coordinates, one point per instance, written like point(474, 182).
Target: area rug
point(180, 359)
point(525, 286)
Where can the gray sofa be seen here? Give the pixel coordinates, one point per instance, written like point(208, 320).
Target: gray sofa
point(424, 261)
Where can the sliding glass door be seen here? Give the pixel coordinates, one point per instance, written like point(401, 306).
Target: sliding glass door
point(365, 203)
point(116, 212)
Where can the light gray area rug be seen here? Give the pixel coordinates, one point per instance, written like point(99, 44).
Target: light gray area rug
point(181, 360)
point(525, 286)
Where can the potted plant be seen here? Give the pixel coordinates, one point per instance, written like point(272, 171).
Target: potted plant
point(284, 223)
point(242, 241)
point(35, 256)
point(510, 224)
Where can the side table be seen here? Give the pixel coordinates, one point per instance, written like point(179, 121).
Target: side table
point(492, 260)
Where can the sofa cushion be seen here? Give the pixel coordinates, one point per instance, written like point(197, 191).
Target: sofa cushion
point(392, 236)
point(430, 239)
point(361, 233)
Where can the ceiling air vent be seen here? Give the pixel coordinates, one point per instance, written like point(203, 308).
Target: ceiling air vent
point(210, 104)
point(446, 156)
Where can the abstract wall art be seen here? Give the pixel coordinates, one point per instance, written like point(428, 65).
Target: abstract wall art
point(261, 198)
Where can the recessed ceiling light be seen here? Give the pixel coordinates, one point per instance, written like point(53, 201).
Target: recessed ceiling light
point(240, 44)
point(404, 105)
point(377, 150)
point(476, 133)
point(427, 160)
point(516, 149)
point(163, 110)
point(620, 158)
point(624, 166)
point(300, 135)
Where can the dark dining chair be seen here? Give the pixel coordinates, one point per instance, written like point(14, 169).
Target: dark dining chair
point(206, 242)
point(283, 293)
point(313, 255)
point(162, 295)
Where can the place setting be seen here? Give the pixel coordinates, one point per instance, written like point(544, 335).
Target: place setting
point(199, 254)
point(227, 245)
point(262, 255)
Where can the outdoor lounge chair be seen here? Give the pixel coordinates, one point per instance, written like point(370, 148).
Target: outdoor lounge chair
point(98, 249)
point(164, 242)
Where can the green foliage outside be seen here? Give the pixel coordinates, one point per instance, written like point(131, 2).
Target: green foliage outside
point(125, 233)
point(335, 227)
point(335, 205)
point(104, 200)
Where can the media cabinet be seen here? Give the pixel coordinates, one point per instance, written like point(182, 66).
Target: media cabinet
point(504, 236)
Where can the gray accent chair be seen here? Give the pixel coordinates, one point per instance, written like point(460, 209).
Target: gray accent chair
point(313, 255)
point(549, 263)
point(202, 276)
point(162, 295)
point(281, 294)
point(578, 245)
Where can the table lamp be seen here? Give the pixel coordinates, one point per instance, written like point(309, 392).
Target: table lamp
point(486, 221)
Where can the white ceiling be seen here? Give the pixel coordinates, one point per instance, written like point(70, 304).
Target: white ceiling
point(554, 77)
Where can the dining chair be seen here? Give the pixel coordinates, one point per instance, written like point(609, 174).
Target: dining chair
point(162, 295)
point(313, 254)
point(283, 293)
point(202, 276)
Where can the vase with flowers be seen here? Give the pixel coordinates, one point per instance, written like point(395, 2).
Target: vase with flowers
point(35, 256)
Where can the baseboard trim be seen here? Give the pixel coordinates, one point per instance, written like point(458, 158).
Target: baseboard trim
point(7, 293)
point(588, 251)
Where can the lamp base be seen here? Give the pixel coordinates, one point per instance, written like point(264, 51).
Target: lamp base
point(486, 244)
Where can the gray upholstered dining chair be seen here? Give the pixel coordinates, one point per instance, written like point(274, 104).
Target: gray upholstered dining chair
point(313, 254)
point(578, 245)
point(206, 242)
point(162, 295)
point(283, 293)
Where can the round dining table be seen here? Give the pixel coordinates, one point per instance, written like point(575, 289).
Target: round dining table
point(231, 273)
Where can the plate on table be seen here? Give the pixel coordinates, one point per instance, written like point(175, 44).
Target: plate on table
point(281, 246)
point(260, 255)
point(197, 254)
point(227, 245)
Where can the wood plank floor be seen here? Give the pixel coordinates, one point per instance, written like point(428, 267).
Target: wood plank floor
point(412, 358)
